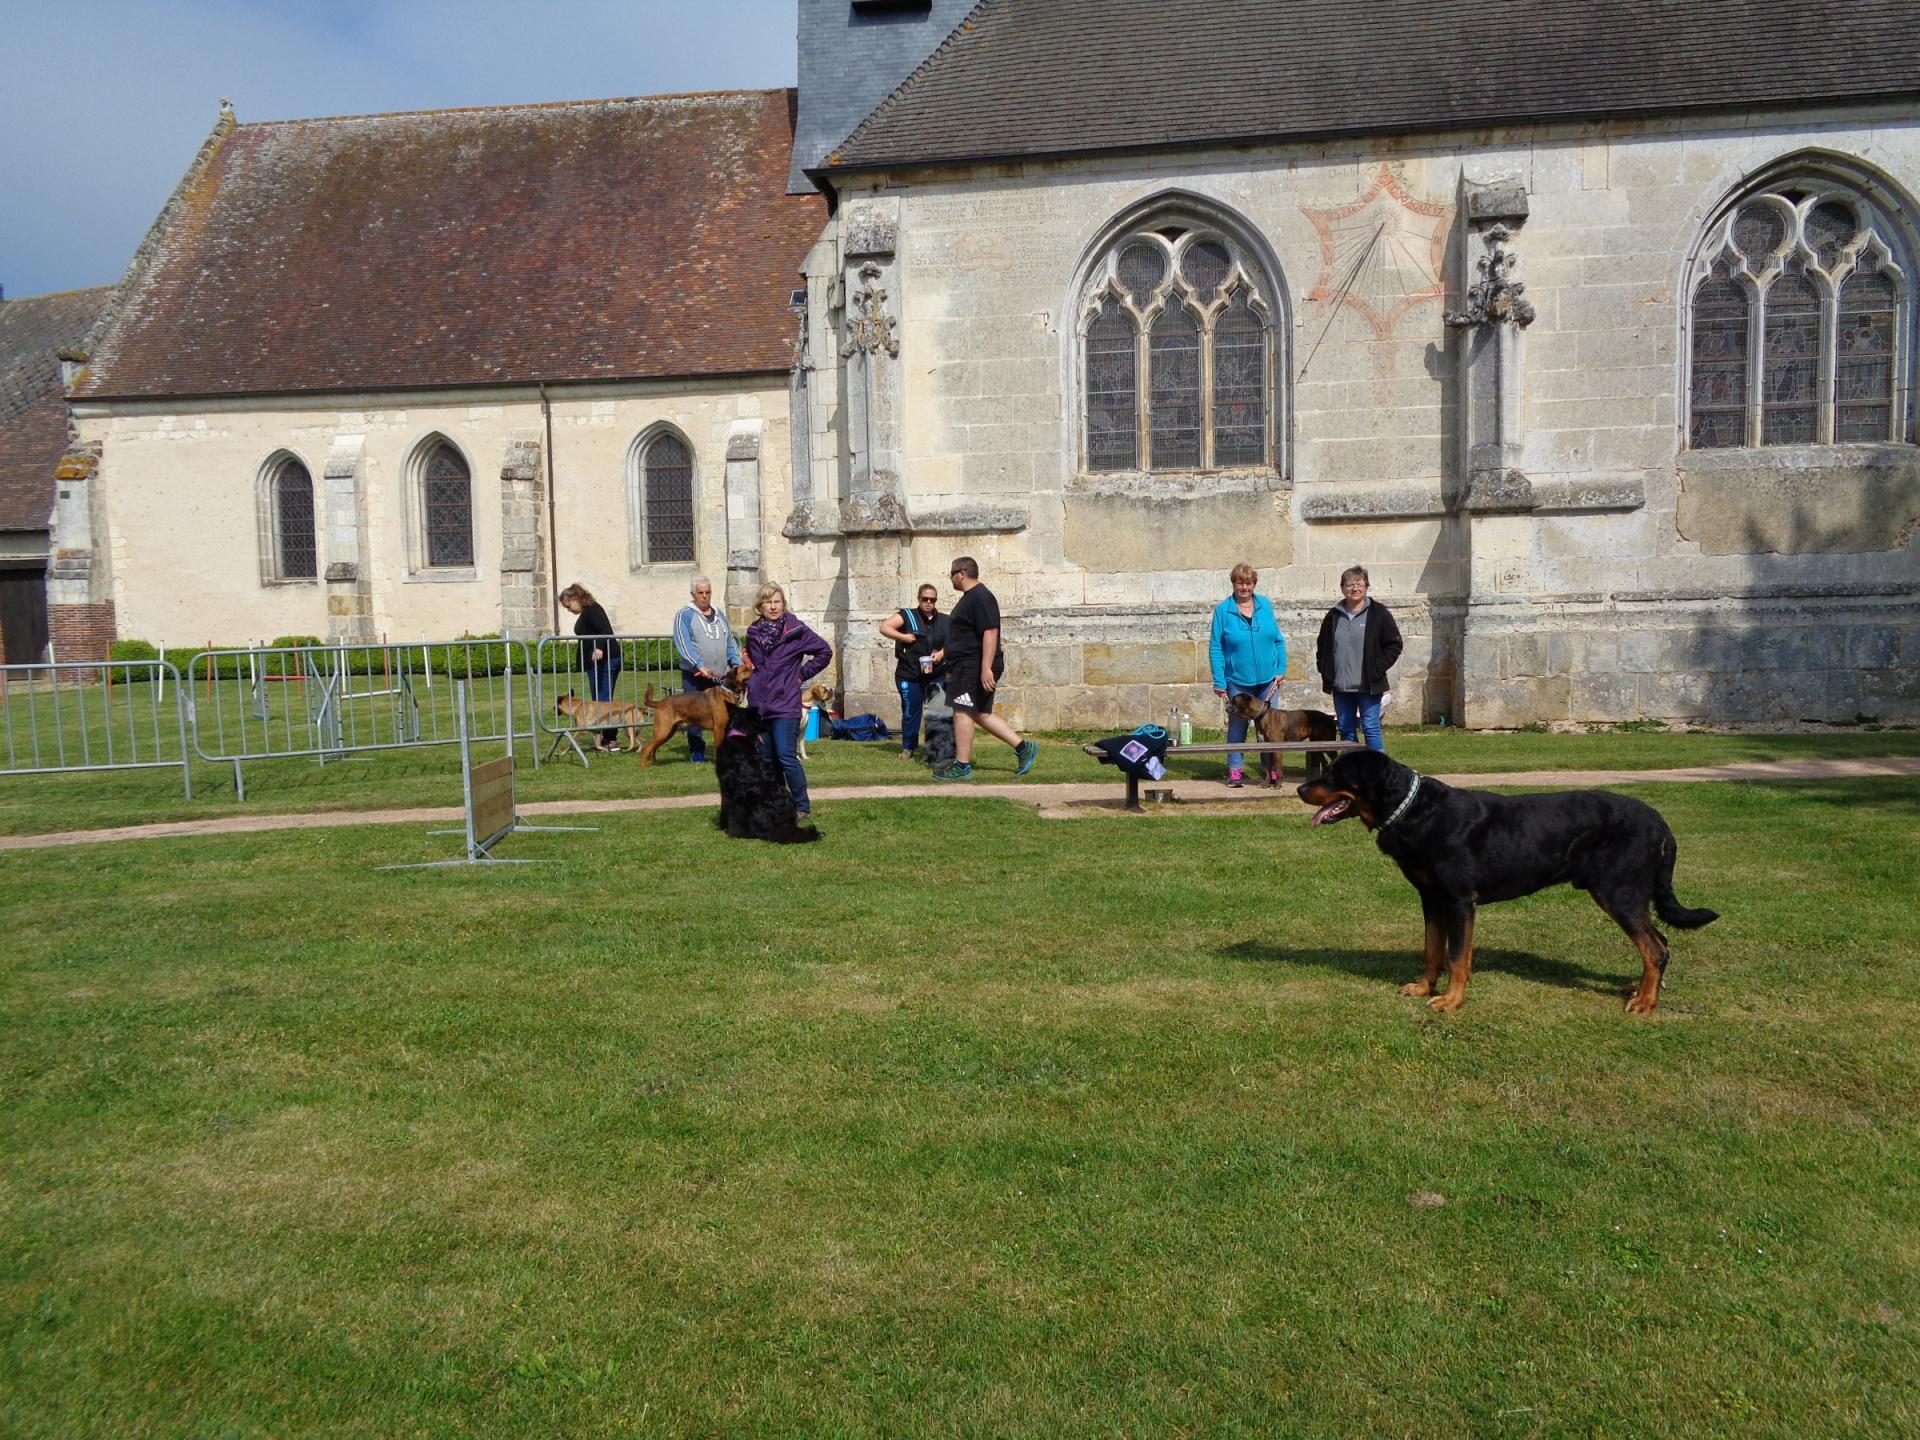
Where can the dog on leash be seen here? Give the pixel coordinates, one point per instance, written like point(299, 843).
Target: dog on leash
point(754, 800)
point(818, 697)
point(1461, 849)
point(676, 710)
point(603, 715)
point(1295, 726)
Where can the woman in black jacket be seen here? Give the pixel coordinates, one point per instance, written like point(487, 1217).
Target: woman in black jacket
point(600, 657)
point(1358, 644)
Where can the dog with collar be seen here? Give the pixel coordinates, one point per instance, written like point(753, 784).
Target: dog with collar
point(818, 697)
point(1461, 849)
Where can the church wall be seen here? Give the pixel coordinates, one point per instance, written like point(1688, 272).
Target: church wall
point(1109, 585)
point(181, 518)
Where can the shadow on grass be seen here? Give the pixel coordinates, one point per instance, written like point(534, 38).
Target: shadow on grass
point(1400, 966)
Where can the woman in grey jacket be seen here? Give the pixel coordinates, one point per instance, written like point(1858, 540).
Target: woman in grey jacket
point(1358, 645)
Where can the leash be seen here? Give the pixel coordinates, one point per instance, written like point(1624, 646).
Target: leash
point(1401, 809)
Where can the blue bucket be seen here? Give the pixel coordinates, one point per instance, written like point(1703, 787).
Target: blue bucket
point(813, 722)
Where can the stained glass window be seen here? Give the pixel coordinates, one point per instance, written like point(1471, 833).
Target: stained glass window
point(1863, 359)
point(1205, 265)
point(1720, 321)
point(1173, 378)
point(1195, 390)
point(1239, 385)
point(293, 521)
point(1789, 405)
point(447, 504)
point(668, 471)
point(1113, 392)
point(1143, 265)
point(1819, 273)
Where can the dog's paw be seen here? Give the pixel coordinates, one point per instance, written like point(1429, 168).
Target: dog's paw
point(1642, 1004)
point(1448, 1003)
point(1417, 988)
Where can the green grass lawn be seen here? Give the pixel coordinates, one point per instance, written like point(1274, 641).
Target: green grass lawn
point(963, 1122)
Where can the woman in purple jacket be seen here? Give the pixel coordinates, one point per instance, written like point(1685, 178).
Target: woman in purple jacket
point(786, 653)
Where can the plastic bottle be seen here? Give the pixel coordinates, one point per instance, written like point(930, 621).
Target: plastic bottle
point(1186, 728)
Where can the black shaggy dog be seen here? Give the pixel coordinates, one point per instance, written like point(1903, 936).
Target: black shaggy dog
point(1464, 848)
point(754, 803)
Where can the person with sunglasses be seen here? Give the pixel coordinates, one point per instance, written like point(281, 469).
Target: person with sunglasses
point(919, 637)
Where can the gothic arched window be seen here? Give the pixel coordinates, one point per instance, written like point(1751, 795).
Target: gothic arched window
point(288, 545)
point(443, 486)
point(1177, 354)
point(1801, 321)
point(660, 491)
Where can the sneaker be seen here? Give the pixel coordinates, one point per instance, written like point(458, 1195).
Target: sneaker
point(697, 759)
point(906, 754)
point(955, 771)
point(1235, 779)
point(1026, 751)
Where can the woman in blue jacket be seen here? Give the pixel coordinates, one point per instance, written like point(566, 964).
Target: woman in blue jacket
point(1248, 652)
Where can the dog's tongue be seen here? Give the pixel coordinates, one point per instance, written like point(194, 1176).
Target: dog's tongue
point(1330, 812)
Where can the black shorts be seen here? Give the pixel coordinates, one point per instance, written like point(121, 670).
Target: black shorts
point(971, 696)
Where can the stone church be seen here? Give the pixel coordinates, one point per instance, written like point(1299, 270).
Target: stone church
point(1588, 329)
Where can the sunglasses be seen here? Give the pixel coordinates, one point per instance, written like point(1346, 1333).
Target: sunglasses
point(929, 599)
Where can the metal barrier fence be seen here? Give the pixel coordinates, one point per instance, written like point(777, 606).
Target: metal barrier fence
point(561, 665)
point(94, 715)
point(328, 701)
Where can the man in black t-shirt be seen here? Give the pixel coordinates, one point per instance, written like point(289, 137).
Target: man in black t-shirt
point(975, 663)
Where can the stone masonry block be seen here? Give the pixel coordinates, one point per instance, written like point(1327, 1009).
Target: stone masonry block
point(1164, 663)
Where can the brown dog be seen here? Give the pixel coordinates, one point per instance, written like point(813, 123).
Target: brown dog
point(818, 697)
point(1294, 726)
point(603, 715)
point(676, 710)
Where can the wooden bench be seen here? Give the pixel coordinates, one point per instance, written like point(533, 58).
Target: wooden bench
point(1245, 747)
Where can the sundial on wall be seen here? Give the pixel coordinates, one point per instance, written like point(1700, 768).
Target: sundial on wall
point(1383, 254)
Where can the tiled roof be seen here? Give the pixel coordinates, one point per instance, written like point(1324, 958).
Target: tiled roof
point(33, 409)
point(612, 239)
point(1055, 77)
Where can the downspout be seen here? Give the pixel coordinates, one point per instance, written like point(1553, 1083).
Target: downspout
point(553, 539)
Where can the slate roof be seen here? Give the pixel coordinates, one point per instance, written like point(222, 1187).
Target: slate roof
point(1056, 77)
point(33, 406)
point(610, 239)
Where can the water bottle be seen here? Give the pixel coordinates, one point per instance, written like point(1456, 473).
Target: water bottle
point(1186, 728)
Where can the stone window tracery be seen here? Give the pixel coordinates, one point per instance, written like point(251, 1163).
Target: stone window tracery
point(1177, 354)
point(1801, 321)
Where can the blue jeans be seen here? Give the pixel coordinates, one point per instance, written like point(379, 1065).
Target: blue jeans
point(692, 684)
point(1236, 727)
point(913, 704)
point(782, 743)
point(1354, 710)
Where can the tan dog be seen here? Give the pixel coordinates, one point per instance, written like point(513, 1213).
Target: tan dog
point(1287, 725)
point(603, 715)
point(676, 710)
point(818, 697)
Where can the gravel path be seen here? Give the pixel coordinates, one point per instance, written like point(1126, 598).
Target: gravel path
point(1056, 801)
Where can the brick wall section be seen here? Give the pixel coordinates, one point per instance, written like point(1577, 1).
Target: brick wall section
point(80, 632)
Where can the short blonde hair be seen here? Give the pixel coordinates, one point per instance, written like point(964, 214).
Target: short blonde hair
point(767, 592)
point(1244, 571)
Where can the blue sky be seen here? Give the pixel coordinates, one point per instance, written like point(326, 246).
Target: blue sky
point(106, 101)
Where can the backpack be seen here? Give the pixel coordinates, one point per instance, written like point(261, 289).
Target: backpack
point(861, 727)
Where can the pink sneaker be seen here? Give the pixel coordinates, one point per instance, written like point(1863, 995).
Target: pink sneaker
point(1235, 779)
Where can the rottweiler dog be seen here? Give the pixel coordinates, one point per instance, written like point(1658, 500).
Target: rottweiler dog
point(1465, 848)
point(675, 710)
point(1274, 724)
